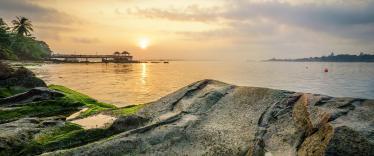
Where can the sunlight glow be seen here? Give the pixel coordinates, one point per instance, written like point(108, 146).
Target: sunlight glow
point(143, 75)
point(144, 42)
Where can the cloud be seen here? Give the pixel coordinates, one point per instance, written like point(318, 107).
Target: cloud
point(190, 13)
point(341, 19)
point(49, 24)
point(11, 8)
point(85, 40)
point(53, 32)
point(345, 19)
point(304, 14)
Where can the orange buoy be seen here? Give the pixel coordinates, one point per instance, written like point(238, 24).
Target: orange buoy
point(326, 70)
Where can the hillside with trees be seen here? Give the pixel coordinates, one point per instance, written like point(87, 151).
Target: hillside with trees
point(17, 42)
point(362, 57)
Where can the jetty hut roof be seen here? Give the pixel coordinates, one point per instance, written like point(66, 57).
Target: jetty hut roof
point(125, 52)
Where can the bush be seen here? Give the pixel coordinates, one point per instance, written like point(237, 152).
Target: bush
point(28, 48)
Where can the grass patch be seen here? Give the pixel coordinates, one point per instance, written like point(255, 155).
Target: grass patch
point(93, 105)
point(128, 110)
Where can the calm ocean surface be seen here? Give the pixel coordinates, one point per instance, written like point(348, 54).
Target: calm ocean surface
point(124, 84)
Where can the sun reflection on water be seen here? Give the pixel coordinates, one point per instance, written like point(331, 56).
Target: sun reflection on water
point(144, 74)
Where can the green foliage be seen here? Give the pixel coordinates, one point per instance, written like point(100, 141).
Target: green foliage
point(5, 42)
point(19, 44)
point(22, 26)
point(29, 48)
point(6, 53)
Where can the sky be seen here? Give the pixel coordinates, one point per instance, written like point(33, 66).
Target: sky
point(203, 30)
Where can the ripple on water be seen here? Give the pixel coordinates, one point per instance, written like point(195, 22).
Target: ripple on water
point(140, 83)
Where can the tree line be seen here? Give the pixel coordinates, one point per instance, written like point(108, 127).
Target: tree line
point(17, 42)
point(362, 57)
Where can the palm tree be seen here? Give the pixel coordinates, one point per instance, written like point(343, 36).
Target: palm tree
point(22, 26)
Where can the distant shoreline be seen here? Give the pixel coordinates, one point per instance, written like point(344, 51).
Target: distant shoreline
point(319, 61)
point(362, 57)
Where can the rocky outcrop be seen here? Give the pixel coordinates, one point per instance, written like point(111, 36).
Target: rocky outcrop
point(21, 77)
point(205, 118)
point(213, 118)
point(33, 117)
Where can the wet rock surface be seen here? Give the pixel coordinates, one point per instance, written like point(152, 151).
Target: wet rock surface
point(214, 118)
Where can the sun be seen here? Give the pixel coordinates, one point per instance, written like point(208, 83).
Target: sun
point(143, 42)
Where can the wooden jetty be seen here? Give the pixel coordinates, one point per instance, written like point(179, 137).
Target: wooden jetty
point(116, 57)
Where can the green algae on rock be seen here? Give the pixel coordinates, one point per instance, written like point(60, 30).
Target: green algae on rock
point(93, 105)
point(41, 133)
point(33, 120)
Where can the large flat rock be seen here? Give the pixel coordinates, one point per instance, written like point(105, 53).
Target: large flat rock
point(214, 118)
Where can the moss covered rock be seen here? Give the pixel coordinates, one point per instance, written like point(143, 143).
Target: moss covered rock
point(213, 118)
point(33, 118)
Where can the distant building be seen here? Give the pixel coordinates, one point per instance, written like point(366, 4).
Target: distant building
point(125, 53)
point(122, 57)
